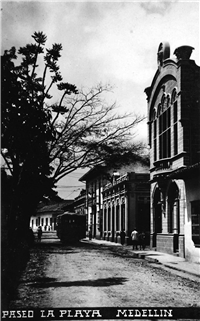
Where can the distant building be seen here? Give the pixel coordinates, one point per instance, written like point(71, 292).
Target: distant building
point(47, 213)
point(174, 140)
point(101, 184)
point(95, 179)
point(79, 203)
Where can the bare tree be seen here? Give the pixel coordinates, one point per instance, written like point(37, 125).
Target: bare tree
point(89, 132)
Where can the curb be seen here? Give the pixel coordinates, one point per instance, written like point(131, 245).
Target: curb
point(153, 260)
point(181, 270)
point(150, 259)
point(145, 257)
point(135, 255)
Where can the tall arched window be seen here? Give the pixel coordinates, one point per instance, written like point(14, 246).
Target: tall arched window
point(154, 135)
point(164, 115)
point(175, 120)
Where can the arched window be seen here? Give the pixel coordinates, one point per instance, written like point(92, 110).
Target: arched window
point(152, 117)
point(175, 128)
point(164, 102)
point(159, 110)
point(164, 115)
point(168, 99)
point(175, 120)
point(154, 135)
point(174, 96)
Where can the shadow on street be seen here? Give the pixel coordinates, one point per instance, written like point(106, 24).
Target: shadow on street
point(49, 282)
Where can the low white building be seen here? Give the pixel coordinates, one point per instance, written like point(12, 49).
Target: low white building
point(47, 213)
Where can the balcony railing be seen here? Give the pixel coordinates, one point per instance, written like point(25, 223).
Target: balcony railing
point(121, 179)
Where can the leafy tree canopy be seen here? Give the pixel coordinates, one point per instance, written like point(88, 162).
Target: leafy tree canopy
point(44, 141)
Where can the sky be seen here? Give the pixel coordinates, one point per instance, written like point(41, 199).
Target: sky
point(112, 43)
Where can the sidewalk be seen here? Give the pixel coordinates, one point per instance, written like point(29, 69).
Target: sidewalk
point(170, 261)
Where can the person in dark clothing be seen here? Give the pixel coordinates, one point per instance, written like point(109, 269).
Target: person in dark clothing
point(90, 234)
point(122, 235)
point(39, 233)
point(142, 241)
point(30, 237)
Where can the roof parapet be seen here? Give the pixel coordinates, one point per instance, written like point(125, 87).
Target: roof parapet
point(183, 52)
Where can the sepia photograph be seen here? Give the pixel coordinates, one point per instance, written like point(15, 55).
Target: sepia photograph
point(100, 160)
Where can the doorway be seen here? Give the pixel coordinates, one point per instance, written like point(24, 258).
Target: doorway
point(157, 216)
point(174, 214)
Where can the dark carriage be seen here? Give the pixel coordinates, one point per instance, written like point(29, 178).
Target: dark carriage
point(71, 227)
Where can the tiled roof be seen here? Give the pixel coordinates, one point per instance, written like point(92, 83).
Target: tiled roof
point(54, 207)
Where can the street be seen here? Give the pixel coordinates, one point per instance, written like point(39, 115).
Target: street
point(92, 275)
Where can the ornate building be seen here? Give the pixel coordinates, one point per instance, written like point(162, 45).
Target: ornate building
point(95, 179)
point(115, 199)
point(174, 140)
point(126, 205)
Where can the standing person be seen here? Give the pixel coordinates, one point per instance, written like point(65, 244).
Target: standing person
point(30, 237)
point(134, 236)
point(39, 233)
point(90, 233)
point(122, 235)
point(142, 240)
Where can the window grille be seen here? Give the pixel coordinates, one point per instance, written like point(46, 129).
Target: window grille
point(195, 214)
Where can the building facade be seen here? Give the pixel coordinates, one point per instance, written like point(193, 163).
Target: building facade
point(46, 214)
point(79, 203)
point(174, 140)
point(126, 206)
point(113, 197)
point(94, 179)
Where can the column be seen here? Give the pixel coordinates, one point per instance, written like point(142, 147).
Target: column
point(126, 213)
point(113, 220)
point(120, 214)
point(176, 217)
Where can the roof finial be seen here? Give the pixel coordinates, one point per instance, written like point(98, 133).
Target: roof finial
point(163, 53)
